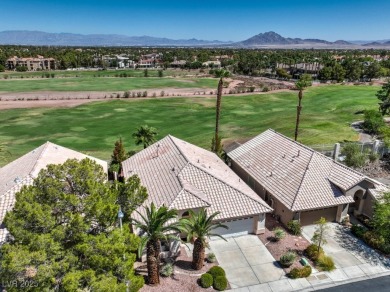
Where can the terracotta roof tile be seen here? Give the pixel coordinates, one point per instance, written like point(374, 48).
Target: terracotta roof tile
point(298, 176)
point(183, 176)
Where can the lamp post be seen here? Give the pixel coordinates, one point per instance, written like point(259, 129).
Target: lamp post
point(120, 216)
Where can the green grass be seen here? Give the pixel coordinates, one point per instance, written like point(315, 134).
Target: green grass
point(93, 128)
point(102, 84)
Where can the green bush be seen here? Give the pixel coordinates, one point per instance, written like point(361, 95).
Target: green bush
point(211, 258)
point(358, 230)
point(385, 248)
point(373, 121)
point(294, 227)
point(217, 272)
point(167, 270)
point(312, 252)
point(279, 233)
point(206, 280)
point(326, 263)
point(287, 259)
point(374, 240)
point(220, 283)
point(300, 273)
point(353, 155)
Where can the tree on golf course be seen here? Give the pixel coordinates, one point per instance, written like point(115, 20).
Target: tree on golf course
point(384, 96)
point(216, 146)
point(301, 85)
point(145, 136)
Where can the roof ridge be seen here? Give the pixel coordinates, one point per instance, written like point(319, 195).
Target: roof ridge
point(303, 177)
point(39, 157)
point(178, 148)
point(229, 185)
point(185, 189)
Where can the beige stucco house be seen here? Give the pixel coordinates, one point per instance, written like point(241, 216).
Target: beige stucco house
point(300, 183)
point(185, 177)
point(23, 170)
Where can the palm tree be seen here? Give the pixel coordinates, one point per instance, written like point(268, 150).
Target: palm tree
point(221, 73)
point(145, 135)
point(199, 226)
point(303, 82)
point(156, 226)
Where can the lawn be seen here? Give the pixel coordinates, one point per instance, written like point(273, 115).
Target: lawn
point(94, 127)
point(102, 84)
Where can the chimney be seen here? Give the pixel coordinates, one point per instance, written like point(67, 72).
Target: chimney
point(336, 151)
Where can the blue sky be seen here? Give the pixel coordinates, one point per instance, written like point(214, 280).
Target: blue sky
point(209, 20)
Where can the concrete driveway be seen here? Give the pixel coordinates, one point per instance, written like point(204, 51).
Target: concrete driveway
point(352, 257)
point(246, 261)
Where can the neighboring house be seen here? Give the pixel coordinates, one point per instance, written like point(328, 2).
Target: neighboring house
point(32, 64)
point(25, 169)
point(185, 177)
point(300, 183)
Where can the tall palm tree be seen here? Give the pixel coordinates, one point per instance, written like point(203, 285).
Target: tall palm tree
point(221, 73)
point(156, 225)
point(145, 135)
point(301, 85)
point(199, 226)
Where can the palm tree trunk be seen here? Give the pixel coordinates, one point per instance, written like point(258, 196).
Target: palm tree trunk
point(217, 115)
point(299, 108)
point(152, 263)
point(198, 254)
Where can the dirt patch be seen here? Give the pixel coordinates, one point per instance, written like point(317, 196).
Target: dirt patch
point(291, 242)
point(183, 279)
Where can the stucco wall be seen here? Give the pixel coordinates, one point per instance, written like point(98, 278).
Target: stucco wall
point(369, 202)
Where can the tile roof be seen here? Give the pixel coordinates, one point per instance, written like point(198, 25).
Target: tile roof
point(183, 176)
point(23, 170)
point(298, 176)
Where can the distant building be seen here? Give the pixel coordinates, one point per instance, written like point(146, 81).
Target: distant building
point(32, 64)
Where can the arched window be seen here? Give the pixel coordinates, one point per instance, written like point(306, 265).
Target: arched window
point(186, 214)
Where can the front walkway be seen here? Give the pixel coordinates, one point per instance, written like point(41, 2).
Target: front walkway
point(247, 262)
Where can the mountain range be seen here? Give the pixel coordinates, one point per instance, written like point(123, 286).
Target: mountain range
point(267, 39)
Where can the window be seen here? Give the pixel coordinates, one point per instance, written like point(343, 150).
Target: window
point(186, 214)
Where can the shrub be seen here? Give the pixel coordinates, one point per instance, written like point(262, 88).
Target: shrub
point(287, 259)
point(353, 156)
point(312, 251)
point(217, 272)
point(206, 280)
point(167, 270)
point(279, 233)
point(358, 230)
point(294, 227)
point(373, 121)
point(126, 94)
point(300, 273)
point(326, 263)
point(211, 257)
point(374, 240)
point(220, 283)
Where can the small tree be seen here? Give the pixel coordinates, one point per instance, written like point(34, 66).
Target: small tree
point(118, 156)
point(384, 96)
point(322, 231)
point(160, 73)
point(381, 217)
point(146, 73)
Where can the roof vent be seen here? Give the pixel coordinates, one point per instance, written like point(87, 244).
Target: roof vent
point(173, 168)
point(299, 152)
point(270, 174)
point(158, 147)
point(198, 160)
point(292, 160)
point(284, 155)
point(17, 180)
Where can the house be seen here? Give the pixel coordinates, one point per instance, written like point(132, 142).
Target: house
point(24, 170)
point(185, 177)
point(300, 183)
point(32, 64)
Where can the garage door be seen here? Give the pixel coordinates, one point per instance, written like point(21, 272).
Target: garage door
point(236, 228)
point(309, 217)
